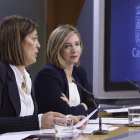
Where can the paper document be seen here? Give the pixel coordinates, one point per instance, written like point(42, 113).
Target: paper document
point(14, 137)
point(120, 109)
point(117, 110)
point(18, 135)
point(84, 120)
point(93, 127)
point(111, 121)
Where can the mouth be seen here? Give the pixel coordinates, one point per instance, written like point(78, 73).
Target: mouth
point(36, 54)
point(73, 57)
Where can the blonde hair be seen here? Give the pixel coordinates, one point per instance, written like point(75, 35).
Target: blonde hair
point(56, 41)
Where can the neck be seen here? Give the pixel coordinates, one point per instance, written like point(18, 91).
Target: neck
point(68, 71)
point(21, 69)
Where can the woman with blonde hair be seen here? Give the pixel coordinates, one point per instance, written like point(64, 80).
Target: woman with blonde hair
point(54, 88)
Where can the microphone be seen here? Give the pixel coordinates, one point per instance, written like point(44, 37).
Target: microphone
point(133, 83)
point(92, 98)
point(90, 94)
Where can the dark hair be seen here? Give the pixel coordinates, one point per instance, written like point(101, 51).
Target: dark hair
point(13, 30)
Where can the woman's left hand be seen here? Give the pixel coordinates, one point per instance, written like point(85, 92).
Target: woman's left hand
point(64, 98)
point(77, 119)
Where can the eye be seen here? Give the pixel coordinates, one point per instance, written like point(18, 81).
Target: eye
point(67, 46)
point(77, 44)
point(34, 38)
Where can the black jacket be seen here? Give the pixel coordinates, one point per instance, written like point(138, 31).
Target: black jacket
point(10, 104)
point(50, 82)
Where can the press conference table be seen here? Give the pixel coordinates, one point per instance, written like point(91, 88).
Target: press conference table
point(121, 130)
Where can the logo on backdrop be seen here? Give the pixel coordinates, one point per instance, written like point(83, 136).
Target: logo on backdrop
point(135, 52)
point(137, 26)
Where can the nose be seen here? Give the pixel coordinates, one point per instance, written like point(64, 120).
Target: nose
point(73, 48)
point(38, 45)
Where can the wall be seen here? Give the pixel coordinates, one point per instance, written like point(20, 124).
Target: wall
point(36, 11)
point(61, 12)
point(85, 27)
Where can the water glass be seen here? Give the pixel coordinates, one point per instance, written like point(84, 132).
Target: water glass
point(134, 116)
point(63, 127)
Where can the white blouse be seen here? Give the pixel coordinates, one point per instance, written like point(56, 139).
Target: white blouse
point(27, 105)
point(74, 97)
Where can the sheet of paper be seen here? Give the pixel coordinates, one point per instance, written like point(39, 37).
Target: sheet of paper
point(117, 110)
point(19, 135)
point(120, 109)
point(84, 120)
point(93, 127)
point(112, 128)
point(110, 121)
point(14, 137)
point(48, 131)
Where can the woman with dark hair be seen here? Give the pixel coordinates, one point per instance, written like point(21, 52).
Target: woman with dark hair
point(18, 49)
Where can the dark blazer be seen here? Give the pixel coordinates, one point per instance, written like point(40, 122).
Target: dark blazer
point(10, 104)
point(50, 82)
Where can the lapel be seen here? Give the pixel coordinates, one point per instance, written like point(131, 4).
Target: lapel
point(13, 91)
point(65, 82)
point(78, 81)
point(32, 94)
point(34, 101)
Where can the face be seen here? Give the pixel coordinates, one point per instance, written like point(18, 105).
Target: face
point(30, 46)
point(71, 50)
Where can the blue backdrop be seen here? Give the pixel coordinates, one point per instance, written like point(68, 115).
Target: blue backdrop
point(125, 40)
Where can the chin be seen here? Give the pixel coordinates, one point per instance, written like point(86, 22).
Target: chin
point(32, 62)
point(75, 62)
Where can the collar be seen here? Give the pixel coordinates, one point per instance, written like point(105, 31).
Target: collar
point(61, 71)
point(18, 75)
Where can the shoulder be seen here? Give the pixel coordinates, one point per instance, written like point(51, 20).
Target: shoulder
point(80, 71)
point(51, 70)
point(3, 67)
point(3, 70)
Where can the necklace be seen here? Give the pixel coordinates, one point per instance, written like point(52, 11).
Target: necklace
point(23, 84)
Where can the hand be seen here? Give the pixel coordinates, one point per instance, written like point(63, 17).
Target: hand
point(77, 119)
point(85, 106)
point(47, 119)
point(64, 98)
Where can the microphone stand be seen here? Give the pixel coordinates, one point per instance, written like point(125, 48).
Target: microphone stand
point(92, 98)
